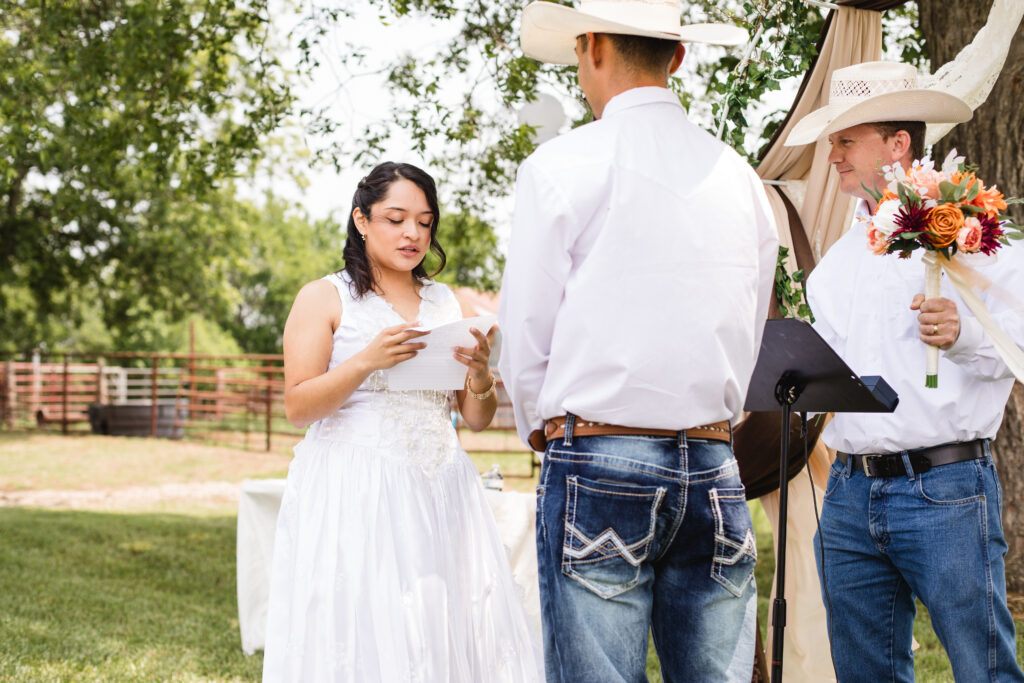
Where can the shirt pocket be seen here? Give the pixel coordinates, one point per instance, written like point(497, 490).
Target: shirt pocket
point(609, 530)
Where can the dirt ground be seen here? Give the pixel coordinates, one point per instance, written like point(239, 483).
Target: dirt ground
point(120, 473)
point(203, 493)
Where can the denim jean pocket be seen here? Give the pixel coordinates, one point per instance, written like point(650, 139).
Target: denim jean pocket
point(835, 473)
point(609, 529)
point(959, 483)
point(735, 546)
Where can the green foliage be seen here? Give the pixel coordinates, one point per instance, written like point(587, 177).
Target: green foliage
point(283, 251)
point(791, 292)
point(456, 105)
point(117, 122)
point(784, 35)
point(901, 34)
point(471, 249)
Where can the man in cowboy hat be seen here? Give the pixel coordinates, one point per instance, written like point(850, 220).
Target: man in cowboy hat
point(638, 279)
point(912, 505)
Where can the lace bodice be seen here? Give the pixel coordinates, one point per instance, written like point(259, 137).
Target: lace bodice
point(414, 426)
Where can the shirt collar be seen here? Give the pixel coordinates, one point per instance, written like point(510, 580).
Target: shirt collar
point(862, 210)
point(636, 97)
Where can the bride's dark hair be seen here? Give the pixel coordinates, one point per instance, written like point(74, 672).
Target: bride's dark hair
point(372, 189)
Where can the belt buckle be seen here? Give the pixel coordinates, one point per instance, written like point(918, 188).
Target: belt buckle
point(864, 460)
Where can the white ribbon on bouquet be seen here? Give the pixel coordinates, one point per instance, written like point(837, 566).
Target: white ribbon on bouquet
point(964, 279)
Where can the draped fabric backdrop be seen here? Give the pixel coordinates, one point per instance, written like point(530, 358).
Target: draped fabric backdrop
point(821, 216)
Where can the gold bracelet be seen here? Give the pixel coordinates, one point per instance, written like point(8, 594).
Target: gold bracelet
point(486, 394)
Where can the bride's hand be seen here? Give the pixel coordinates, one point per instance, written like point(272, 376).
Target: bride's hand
point(392, 346)
point(477, 358)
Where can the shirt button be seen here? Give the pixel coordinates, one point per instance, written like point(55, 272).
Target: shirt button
point(874, 442)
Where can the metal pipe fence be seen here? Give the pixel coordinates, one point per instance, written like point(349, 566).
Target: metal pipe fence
point(227, 399)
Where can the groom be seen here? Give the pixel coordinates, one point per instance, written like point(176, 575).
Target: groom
point(912, 505)
point(639, 273)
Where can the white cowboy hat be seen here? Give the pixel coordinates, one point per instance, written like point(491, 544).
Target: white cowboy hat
point(875, 92)
point(549, 30)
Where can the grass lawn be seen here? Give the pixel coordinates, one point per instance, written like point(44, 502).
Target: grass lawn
point(119, 597)
point(150, 595)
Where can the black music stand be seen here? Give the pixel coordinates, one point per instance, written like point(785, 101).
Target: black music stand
point(797, 370)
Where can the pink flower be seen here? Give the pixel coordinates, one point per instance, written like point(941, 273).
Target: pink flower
point(927, 180)
point(877, 241)
point(968, 240)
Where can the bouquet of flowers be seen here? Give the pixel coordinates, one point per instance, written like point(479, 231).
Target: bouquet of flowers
point(945, 211)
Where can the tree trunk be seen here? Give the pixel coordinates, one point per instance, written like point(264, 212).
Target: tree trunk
point(993, 141)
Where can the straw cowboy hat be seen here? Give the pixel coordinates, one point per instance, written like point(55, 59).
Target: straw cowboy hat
point(875, 92)
point(549, 30)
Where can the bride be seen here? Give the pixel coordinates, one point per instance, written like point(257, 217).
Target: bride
point(387, 563)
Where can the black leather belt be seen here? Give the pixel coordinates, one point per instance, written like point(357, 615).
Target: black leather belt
point(921, 460)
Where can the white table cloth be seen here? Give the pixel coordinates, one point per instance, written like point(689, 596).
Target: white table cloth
point(260, 501)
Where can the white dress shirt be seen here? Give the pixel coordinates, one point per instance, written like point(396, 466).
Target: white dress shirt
point(861, 304)
point(639, 273)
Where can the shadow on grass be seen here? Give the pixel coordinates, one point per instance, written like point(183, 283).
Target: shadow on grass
point(106, 596)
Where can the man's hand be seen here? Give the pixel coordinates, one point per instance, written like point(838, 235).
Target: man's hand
point(938, 323)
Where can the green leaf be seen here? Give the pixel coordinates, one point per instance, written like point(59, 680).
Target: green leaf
point(947, 192)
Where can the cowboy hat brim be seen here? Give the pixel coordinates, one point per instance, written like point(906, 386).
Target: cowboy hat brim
point(929, 106)
point(549, 32)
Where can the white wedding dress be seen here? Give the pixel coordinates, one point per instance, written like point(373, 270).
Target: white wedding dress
point(387, 562)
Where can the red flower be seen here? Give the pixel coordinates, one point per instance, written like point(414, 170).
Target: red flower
point(911, 218)
point(990, 233)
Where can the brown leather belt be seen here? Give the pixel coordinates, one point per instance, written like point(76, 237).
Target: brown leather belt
point(921, 460)
point(555, 429)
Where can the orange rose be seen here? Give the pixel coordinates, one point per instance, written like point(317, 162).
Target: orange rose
point(944, 225)
point(991, 200)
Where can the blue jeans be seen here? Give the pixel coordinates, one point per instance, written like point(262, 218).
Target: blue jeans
point(638, 534)
point(936, 535)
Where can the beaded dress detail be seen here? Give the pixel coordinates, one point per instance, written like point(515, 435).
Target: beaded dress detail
point(387, 561)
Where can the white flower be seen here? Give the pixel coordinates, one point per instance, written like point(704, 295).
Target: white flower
point(952, 162)
point(894, 173)
point(923, 164)
point(884, 219)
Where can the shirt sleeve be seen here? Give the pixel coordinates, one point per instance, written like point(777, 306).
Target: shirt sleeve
point(973, 349)
point(768, 258)
point(544, 228)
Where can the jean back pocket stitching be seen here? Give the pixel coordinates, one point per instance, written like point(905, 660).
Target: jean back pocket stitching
point(746, 549)
point(567, 567)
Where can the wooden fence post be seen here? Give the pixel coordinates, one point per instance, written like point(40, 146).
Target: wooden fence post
point(64, 399)
point(101, 385)
point(37, 386)
point(270, 399)
point(191, 367)
point(4, 393)
point(153, 395)
point(12, 393)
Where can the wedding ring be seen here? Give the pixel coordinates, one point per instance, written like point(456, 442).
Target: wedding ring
point(935, 329)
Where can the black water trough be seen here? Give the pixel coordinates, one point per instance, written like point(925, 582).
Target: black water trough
point(137, 419)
